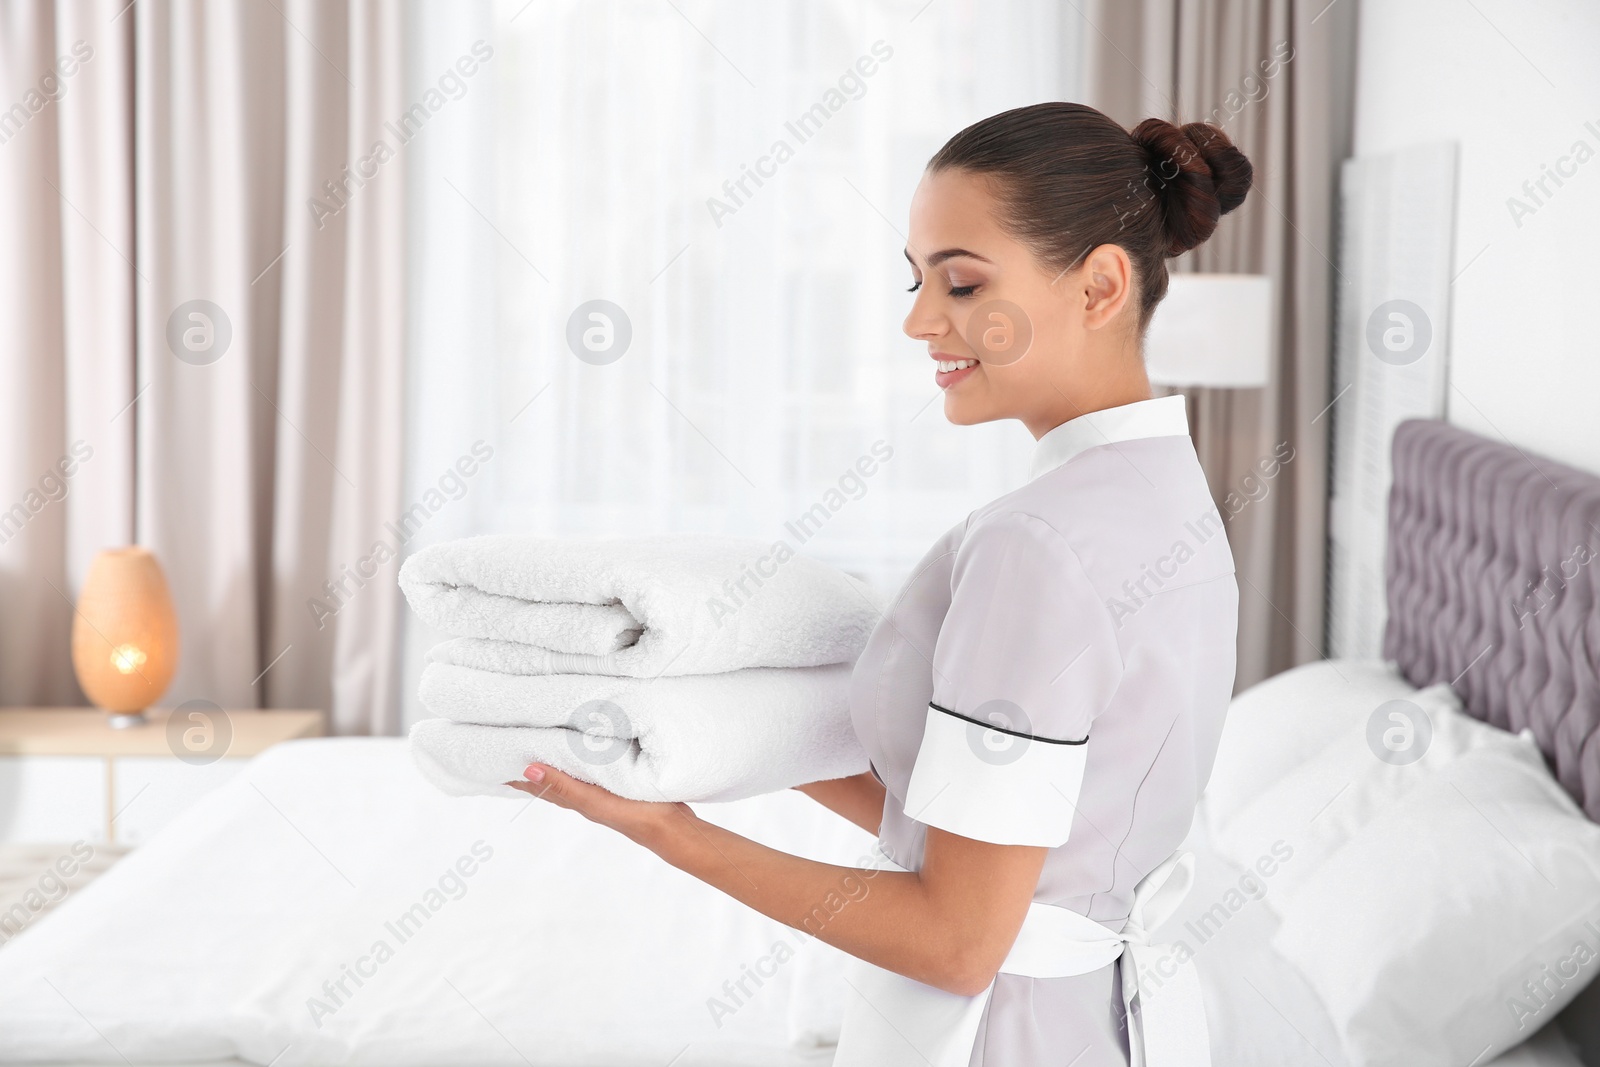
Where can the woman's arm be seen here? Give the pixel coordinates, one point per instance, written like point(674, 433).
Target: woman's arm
point(858, 798)
point(949, 925)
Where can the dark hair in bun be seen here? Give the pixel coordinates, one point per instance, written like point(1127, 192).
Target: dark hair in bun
point(1198, 177)
point(1069, 179)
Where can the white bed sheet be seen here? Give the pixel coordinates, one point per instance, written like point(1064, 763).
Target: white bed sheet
point(569, 946)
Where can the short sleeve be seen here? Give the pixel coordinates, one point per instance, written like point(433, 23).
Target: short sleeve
point(1026, 659)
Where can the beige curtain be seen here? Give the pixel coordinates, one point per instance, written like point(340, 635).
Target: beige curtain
point(1277, 76)
point(203, 266)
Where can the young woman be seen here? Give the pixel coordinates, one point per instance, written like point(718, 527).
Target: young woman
point(1042, 702)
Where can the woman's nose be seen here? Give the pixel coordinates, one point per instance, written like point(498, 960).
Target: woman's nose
point(922, 324)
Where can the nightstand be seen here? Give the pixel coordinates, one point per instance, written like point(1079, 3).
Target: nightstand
point(66, 775)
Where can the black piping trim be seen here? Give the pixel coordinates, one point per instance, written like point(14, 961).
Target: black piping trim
point(1001, 729)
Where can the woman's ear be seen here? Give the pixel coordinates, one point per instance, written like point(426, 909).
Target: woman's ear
point(1107, 280)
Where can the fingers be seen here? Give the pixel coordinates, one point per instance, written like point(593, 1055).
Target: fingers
point(540, 791)
point(541, 782)
point(568, 791)
point(563, 790)
point(595, 803)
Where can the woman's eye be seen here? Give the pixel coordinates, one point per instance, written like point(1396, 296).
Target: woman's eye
point(955, 290)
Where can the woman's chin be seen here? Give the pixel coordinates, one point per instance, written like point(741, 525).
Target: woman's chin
point(965, 411)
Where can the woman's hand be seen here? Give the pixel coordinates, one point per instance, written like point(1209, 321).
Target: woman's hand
point(643, 821)
point(949, 925)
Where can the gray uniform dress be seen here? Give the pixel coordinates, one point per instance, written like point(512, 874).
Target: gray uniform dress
point(1055, 672)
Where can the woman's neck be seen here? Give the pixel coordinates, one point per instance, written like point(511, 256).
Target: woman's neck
point(1063, 401)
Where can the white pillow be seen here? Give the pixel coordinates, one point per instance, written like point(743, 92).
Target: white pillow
point(1275, 725)
point(1457, 922)
point(1362, 770)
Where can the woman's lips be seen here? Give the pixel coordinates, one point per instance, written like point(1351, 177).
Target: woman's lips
point(944, 379)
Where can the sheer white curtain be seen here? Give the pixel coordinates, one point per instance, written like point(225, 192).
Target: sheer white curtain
point(735, 178)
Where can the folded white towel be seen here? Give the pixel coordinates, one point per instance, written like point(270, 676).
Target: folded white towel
point(697, 737)
point(640, 607)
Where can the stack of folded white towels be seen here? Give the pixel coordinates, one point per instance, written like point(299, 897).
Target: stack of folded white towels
point(664, 668)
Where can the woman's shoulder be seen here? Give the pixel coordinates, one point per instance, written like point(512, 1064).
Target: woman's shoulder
point(1107, 488)
point(1115, 513)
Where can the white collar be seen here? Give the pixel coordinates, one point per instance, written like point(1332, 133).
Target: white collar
point(1162, 416)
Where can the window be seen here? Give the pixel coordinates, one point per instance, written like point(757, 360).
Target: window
point(735, 178)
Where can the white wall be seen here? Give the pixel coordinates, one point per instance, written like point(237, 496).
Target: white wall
point(1513, 82)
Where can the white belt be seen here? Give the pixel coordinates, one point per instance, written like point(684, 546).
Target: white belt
point(891, 1020)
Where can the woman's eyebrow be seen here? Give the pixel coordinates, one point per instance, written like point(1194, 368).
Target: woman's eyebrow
point(948, 253)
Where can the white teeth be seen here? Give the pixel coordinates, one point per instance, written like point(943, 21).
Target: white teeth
point(949, 365)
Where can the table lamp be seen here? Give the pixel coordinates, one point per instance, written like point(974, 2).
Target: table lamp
point(1211, 330)
point(125, 634)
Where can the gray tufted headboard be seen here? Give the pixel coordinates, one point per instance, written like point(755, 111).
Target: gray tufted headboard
point(1494, 586)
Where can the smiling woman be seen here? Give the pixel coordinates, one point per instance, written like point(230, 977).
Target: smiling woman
point(1031, 779)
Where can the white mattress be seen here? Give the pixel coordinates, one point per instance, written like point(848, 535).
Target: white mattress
point(570, 946)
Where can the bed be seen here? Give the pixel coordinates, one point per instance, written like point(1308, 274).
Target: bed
point(327, 906)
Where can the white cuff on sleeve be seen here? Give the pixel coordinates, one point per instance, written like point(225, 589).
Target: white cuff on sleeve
point(993, 784)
